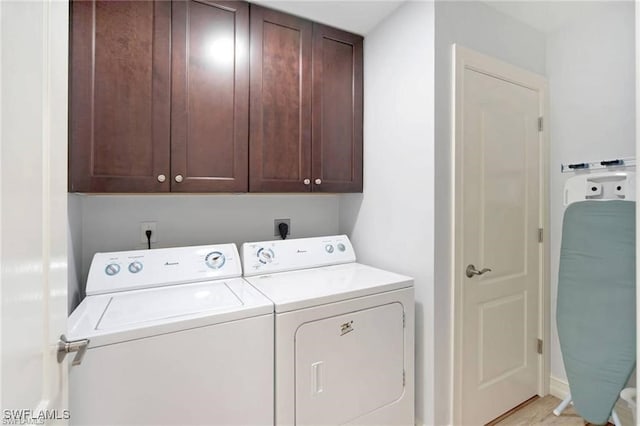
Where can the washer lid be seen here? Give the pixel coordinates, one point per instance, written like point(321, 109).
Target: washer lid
point(128, 315)
point(311, 287)
point(130, 308)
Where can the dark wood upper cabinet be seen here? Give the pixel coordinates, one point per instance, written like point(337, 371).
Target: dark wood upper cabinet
point(159, 96)
point(210, 96)
point(306, 106)
point(280, 129)
point(337, 110)
point(120, 87)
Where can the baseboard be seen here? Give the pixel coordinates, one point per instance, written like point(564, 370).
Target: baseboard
point(558, 387)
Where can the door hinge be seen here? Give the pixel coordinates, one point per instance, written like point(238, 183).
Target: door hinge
point(404, 321)
point(540, 234)
point(404, 378)
point(540, 124)
point(540, 346)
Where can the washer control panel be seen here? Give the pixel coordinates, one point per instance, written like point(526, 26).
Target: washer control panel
point(128, 270)
point(286, 255)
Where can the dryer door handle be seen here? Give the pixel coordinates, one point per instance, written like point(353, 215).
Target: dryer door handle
point(316, 377)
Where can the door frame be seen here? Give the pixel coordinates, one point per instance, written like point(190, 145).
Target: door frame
point(464, 58)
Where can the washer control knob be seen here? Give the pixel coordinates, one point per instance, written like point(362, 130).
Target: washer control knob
point(329, 248)
point(341, 247)
point(135, 267)
point(265, 255)
point(215, 260)
point(112, 269)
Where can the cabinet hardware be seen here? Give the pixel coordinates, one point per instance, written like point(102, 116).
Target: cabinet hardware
point(178, 178)
point(306, 181)
point(318, 181)
point(161, 178)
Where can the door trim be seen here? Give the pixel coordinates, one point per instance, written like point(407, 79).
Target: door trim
point(464, 58)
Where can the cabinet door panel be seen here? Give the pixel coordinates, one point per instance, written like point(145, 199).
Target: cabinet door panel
point(210, 96)
point(280, 128)
point(337, 110)
point(119, 96)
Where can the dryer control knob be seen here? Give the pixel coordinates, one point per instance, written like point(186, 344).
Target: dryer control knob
point(135, 267)
point(341, 247)
point(215, 260)
point(329, 248)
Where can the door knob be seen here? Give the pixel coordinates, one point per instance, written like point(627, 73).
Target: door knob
point(472, 271)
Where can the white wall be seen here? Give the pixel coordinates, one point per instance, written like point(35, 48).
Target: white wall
point(591, 70)
point(391, 223)
point(477, 26)
point(112, 222)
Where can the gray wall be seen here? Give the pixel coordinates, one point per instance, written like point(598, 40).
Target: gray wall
point(591, 70)
point(391, 224)
point(112, 222)
point(74, 250)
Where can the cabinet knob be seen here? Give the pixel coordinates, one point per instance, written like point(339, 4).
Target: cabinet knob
point(307, 181)
point(178, 178)
point(318, 181)
point(161, 178)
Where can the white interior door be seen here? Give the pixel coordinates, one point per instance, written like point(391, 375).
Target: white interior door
point(33, 201)
point(498, 199)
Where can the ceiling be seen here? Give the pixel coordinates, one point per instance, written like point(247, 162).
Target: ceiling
point(549, 16)
point(361, 16)
point(356, 16)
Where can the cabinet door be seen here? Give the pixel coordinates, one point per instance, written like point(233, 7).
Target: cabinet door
point(337, 110)
point(280, 128)
point(210, 96)
point(119, 96)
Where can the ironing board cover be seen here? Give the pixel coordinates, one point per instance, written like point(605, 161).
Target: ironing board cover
point(596, 303)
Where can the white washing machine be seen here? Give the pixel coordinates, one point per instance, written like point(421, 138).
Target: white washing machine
point(344, 333)
point(175, 337)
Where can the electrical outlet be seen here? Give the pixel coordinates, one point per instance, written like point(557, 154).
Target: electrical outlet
point(144, 226)
point(276, 222)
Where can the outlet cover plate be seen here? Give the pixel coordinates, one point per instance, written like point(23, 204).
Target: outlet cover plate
point(144, 226)
point(276, 222)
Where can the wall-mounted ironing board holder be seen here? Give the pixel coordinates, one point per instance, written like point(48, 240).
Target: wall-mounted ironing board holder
point(601, 185)
point(617, 164)
point(610, 185)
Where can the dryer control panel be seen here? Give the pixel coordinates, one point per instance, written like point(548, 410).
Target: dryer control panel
point(129, 270)
point(267, 257)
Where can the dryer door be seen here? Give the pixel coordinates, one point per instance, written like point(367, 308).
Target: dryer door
point(349, 365)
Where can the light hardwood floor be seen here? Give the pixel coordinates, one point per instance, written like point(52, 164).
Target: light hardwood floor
point(540, 412)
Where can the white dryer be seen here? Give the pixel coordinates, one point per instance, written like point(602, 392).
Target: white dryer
point(344, 333)
point(175, 337)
